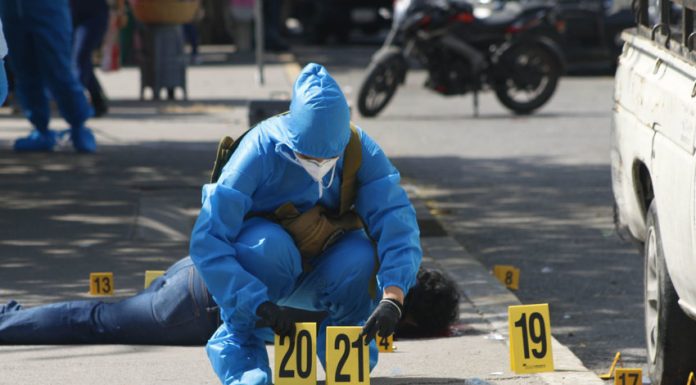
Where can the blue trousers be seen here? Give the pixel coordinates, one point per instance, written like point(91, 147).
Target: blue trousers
point(90, 21)
point(337, 282)
point(175, 310)
point(39, 37)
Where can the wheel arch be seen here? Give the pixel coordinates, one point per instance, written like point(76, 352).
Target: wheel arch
point(643, 186)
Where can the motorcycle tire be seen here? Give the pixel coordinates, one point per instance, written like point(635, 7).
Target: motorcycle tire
point(524, 64)
point(380, 83)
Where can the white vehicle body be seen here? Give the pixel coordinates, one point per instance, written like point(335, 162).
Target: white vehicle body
point(653, 142)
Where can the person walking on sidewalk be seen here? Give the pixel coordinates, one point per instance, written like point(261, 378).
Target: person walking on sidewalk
point(90, 20)
point(177, 309)
point(39, 36)
point(260, 241)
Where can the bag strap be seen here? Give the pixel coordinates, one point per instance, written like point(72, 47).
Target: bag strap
point(352, 158)
point(226, 148)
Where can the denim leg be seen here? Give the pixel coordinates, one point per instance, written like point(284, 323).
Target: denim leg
point(58, 323)
point(339, 284)
point(176, 311)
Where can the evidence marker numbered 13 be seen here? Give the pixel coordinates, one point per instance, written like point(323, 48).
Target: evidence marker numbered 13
point(530, 338)
point(295, 358)
point(101, 283)
point(347, 356)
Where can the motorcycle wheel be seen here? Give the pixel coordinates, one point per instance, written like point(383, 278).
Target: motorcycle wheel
point(531, 77)
point(380, 83)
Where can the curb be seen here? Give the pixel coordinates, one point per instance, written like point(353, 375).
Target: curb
point(491, 299)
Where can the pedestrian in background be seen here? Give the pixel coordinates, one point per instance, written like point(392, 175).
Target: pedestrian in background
point(90, 21)
point(39, 35)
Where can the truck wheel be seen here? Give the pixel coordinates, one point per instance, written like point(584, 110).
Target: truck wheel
point(670, 334)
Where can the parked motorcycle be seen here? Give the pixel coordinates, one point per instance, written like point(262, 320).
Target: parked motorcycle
point(514, 52)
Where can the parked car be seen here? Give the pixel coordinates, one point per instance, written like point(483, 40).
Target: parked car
point(654, 181)
point(323, 19)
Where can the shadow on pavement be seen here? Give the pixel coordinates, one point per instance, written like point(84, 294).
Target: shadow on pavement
point(554, 222)
point(125, 209)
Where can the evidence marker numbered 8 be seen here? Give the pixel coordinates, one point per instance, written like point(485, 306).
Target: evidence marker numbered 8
point(508, 275)
point(530, 339)
point(101, 283)
point(295, 357)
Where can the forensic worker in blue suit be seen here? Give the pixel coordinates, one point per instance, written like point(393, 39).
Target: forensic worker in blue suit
point(248, 242)
point(39, 36)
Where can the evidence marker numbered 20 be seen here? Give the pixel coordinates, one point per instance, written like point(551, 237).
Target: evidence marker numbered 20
point(295, 357)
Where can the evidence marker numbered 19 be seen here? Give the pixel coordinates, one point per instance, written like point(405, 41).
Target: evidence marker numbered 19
point(101, 283)
point(295, 358)
point(530, 339)
point(347, 356)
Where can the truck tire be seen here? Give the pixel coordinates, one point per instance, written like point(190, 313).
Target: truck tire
point(670, 333)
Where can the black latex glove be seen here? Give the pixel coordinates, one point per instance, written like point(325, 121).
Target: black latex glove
point(277, 318)
point(383, 319)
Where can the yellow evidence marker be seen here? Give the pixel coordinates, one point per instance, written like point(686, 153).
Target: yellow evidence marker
point(530, 338)
point(151, 275)
point(608, 375)
point(347, 356)
point(508, 275)
point(385, 344)
point(628, 376)
point(295, 362)
point(101, 283)
point(691, 379)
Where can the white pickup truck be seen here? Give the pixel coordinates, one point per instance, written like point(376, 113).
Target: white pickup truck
point(654, 177)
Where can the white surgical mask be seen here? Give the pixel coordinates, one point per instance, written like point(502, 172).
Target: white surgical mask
point(317, 169)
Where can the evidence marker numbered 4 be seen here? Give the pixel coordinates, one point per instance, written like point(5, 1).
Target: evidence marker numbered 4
point(295, 357)
point(530, 339)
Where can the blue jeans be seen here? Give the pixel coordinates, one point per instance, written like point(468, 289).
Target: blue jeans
point(175, 310)
point(39, 37)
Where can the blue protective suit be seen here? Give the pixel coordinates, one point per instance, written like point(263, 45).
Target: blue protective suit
point(246, 262)
point(39, 35)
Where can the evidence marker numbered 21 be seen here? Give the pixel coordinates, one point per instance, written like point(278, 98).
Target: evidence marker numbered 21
point(530, 339)
point(295, 357)
point(347, 356)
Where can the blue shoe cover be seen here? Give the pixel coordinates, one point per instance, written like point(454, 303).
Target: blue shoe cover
point(11, 306)
point(83, 140)
point(239, 360)
point(36, 141)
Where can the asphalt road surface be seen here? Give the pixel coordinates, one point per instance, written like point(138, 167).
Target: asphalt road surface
point(534, 192)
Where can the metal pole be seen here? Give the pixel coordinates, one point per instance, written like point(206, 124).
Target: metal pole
point(258, 15)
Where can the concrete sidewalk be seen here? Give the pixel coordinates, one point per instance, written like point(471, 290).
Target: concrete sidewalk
point(130, 208)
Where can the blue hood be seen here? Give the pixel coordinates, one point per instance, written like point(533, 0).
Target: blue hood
point(319, 121)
